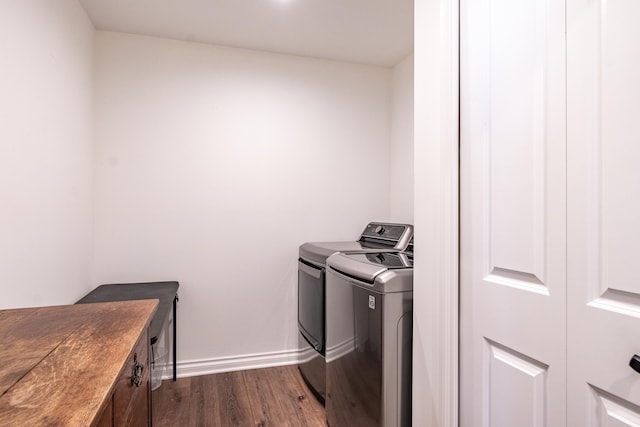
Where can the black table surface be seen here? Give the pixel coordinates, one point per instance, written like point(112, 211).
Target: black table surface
point(166, 292)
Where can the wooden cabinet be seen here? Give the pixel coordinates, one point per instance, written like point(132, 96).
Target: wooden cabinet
point(130, 403)
point(106, 419)
point(77, 365)
point(131, 398)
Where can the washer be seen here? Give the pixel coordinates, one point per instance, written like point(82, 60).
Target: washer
point(376, 237)
point(369, 307)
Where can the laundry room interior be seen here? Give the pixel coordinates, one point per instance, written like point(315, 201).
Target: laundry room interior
point(133, 155)
point(446, 188)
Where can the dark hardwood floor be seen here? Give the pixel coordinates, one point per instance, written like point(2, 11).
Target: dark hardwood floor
point(255, 398)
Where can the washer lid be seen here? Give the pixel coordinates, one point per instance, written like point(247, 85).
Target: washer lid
point(318, 252)
point(389, 260)
point(368, 266)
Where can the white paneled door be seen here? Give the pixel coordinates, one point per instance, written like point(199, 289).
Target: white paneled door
point(603, 129)
point(550, 213)
point(513, 214)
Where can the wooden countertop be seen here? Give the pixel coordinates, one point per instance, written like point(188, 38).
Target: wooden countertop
point(59, 365)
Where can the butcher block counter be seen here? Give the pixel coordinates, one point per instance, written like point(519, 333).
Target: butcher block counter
point(76, 365)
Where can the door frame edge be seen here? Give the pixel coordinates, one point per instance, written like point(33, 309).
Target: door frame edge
point(436, 216)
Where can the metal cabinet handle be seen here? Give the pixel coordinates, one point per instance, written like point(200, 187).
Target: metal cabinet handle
point(635, 363)
point(136, 371)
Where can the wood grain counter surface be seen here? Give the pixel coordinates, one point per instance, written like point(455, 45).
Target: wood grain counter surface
point(59, 365)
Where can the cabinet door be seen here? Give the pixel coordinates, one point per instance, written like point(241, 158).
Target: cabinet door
point(106, 419)
point(603, 99)
point(131, 402)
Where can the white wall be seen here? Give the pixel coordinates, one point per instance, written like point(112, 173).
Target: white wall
point(46, 151)
point(401, 153)
point(213, 164)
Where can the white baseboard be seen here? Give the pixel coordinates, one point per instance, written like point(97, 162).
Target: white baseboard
point(194, 368)
point(341, 349)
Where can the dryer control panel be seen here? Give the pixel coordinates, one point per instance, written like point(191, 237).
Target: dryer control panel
point(387, 235)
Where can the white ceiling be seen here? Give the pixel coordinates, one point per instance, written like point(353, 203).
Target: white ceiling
point(377, 32)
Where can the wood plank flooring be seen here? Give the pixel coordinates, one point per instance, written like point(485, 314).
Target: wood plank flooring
point(254, 398)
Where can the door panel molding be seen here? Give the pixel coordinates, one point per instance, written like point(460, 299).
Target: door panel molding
point(611, 410)
point(516, 388)
point(517, 135)
point(606, 95)
point(626, 303)
point(517, 279)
